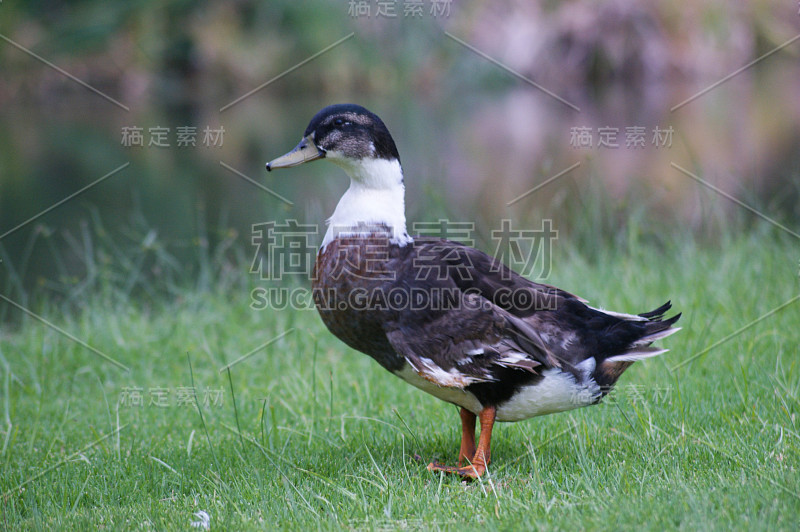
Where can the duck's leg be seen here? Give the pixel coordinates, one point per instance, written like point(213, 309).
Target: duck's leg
point(467, 451)
point(484, 452)
point(480, 459)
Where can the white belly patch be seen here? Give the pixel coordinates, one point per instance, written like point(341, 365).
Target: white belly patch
point(557, 391)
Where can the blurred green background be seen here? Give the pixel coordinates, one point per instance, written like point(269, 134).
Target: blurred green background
point(472, 135)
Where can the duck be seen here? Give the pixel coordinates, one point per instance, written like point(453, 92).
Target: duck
point(449, 319)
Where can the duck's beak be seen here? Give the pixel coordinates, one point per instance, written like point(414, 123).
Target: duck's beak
point(305, 151)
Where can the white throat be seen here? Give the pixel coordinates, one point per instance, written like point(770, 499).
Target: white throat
point(376, 197)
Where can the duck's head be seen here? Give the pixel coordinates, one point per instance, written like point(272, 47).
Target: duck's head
point(358, 141)
point(348, 135)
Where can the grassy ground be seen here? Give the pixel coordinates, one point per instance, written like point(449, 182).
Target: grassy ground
point(306, 433)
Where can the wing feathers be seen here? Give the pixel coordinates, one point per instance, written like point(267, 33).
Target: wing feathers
point(660, 335)
point(484, 337)
point(637, 354)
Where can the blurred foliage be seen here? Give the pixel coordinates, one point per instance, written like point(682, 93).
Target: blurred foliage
point(471, 135)
point(232, 44)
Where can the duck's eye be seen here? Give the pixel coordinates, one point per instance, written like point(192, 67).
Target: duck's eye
point(339, 122)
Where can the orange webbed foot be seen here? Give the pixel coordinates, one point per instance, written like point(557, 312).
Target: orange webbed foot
point(478, 458)
point(468, 472)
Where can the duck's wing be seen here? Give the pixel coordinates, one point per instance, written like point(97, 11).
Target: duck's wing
point(477, 272)
point(472, 327)
point(468, 344)
point(482, 320)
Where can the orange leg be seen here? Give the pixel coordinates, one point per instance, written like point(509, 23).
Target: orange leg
point(467, 451)
point(482, 455)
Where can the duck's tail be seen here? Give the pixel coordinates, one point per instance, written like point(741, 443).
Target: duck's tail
point(652, 327)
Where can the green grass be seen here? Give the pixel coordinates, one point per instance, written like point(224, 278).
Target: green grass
point(321, 437)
